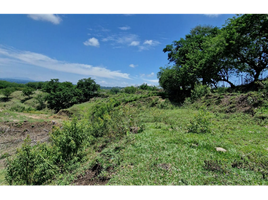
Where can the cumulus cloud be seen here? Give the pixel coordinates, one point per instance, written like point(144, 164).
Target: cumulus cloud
point(124, 28)
point(92, 42)
point(40, 60)
point(212, 15)
point(55, 19)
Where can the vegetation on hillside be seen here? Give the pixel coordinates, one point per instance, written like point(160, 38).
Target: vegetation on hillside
point(200, 135)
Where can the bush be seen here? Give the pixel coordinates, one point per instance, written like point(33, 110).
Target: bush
point(70, 140)
point(38, 164)
point(114, 90)
point(130, 90)
point(40, 99)
point(30, 167)
point(19, 108)
point(7, 92)
point(28, 92)
point(199, 91)
point(201, 122)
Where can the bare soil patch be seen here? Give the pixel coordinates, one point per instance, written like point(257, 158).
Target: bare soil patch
point(91, 177)
point(12, 135)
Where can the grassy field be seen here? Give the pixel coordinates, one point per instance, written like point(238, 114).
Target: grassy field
point(167, 144)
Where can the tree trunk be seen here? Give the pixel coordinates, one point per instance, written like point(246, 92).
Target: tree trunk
point(232, 85)
point(256, 76)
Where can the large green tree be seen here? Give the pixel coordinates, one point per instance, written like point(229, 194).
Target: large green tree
point(192, 66)
point(87, 88)
point(246, 38)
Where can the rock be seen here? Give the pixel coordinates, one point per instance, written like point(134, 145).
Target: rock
point(220, 149)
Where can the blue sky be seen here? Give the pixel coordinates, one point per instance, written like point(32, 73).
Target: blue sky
point(113, 49)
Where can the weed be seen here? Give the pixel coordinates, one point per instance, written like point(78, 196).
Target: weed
point(201, 122)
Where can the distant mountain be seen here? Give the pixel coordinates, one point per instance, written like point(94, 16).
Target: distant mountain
point(18, 80)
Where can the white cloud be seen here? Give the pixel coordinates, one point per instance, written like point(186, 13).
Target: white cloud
point(40, 60)
point(147, 44)
point(132, 65)
point(122, 39)
point(55, 19)
point(128, 14)
point(150, 75)
point(151, 42)
point(124, 28)
point(134, 43)
point(92, 42)
point(212, 15)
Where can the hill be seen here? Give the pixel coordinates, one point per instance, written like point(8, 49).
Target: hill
point(144, 139)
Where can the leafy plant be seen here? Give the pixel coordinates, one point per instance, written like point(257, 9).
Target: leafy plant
point(130, 90)
point(199, 91)
point(28, 91)
point(201, 122)
point(8, 91)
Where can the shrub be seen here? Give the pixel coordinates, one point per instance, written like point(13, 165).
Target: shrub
point(70, 140)
point(30, 166)
point(130, 90)
point(199, 91)
point(201, 122)
point(7, 92)
point(28, 92)
point(40, 100)
point(38, 164)
point(114, 90)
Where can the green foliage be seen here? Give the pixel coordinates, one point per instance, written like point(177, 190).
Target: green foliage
point(36, 85)
point(144, 86)
point(27, 91)
point(8, 91)
point(201, 122)
point(60, 95)
point(87, 88)
point(15, 86)
point(130, 90)
point(40, 100)
point(246, 38)
point(70, 140)
point(38, 164)
point(19, 108)
point(114, 90)
point(199, 91)
point(30, 167)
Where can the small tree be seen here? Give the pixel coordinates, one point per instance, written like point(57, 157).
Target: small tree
point(130, 90)
point(40, 99)
point(28, 92)
point(87, 88)
point(7, 92)
point(115, 90)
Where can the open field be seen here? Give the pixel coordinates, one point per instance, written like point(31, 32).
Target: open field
point(200, 143)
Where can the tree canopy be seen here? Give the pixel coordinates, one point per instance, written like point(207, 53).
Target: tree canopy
point(209, 54)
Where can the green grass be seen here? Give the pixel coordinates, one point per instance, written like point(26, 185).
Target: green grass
point(166, 152)
point(2, 177)
point(164, 156)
